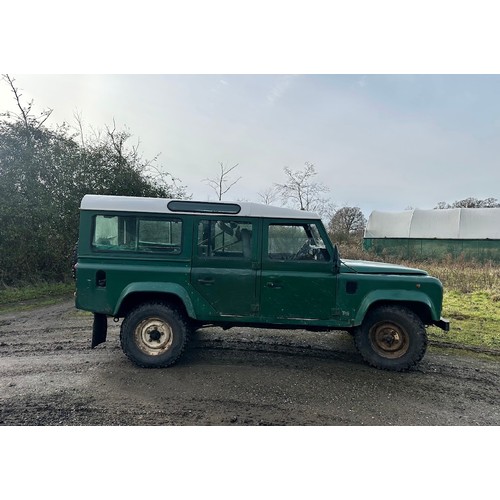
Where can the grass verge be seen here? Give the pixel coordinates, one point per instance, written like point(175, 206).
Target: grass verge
point(31, 296)
point(471, 302)
point(474, 319)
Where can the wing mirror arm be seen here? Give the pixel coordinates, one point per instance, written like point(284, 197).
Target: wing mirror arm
point(336, 260)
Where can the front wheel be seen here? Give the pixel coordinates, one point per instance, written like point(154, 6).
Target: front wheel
point(153, 335)
point(391, 338)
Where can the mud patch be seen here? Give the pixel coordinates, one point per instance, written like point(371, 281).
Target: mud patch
point(241, 377)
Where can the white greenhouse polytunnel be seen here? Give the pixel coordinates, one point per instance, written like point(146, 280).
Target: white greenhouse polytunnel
point(449, 224)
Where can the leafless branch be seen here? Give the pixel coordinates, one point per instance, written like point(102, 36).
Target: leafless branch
point(300, 188)
point(269, 196)
point(29, 121)
point(221, 185)
point(17, 95)
point(77, 115)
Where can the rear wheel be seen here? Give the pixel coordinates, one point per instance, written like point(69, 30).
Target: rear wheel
point(391, 338)
point(154, 335)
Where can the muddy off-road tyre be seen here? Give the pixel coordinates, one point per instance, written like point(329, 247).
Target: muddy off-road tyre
point(391, 338)
point(154, 335)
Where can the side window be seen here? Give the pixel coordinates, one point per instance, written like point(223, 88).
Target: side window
point(114, 233)
point(224, 238)
point(134, 234)
point(159, 235)
point(296, 242)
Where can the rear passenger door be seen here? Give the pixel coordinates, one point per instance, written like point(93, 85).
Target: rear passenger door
point(224, 268)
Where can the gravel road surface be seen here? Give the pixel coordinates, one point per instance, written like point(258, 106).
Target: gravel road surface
point(244, 376)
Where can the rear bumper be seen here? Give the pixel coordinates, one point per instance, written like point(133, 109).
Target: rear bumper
point(444, 324)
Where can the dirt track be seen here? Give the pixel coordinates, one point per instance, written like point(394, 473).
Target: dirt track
point(50, 376)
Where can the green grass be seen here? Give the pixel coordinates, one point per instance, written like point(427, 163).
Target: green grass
point(474, 319)
point(471, 302)
point(31, 296)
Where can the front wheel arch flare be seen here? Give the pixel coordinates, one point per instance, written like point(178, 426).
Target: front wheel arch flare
point(417, 301)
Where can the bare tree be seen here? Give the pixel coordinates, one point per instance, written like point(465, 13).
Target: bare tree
point(222, 184)
point(470, 203)
point(442, 205)
point(347, 221)
point(269, 196)
point(301, 191)
point(77, 116)
point(31, 121)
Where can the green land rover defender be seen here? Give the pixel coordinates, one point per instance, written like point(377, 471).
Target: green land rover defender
point(169, 267)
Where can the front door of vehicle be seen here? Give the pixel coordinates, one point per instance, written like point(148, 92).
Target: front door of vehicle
point(224, 269)
point(297, 281)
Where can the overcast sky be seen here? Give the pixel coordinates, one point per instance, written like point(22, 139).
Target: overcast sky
point(378, 142)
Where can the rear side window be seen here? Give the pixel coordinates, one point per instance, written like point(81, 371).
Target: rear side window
point(159, 235)
point(137, 234)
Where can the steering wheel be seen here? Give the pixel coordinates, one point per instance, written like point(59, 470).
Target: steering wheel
point(304, 251)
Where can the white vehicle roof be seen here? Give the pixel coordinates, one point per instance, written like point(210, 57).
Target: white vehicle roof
point(161, 205)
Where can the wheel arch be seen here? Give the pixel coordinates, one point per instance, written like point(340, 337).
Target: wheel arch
point(421, 309)
point(418, 304)
point(140, 293)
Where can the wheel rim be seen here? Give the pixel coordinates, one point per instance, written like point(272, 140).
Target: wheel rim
point(389, 340)
point(153, 336)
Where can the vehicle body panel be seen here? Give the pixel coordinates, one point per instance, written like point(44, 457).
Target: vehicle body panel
point(251, 288)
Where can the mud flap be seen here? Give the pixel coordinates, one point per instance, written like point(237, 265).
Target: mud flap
point(99, 329)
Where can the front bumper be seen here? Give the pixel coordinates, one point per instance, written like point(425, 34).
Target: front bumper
point(444, 324)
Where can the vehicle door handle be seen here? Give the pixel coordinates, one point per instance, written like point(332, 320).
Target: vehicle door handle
point(272, 284)
point(206, 281)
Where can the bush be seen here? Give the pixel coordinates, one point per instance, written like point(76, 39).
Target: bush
point(44, 174)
